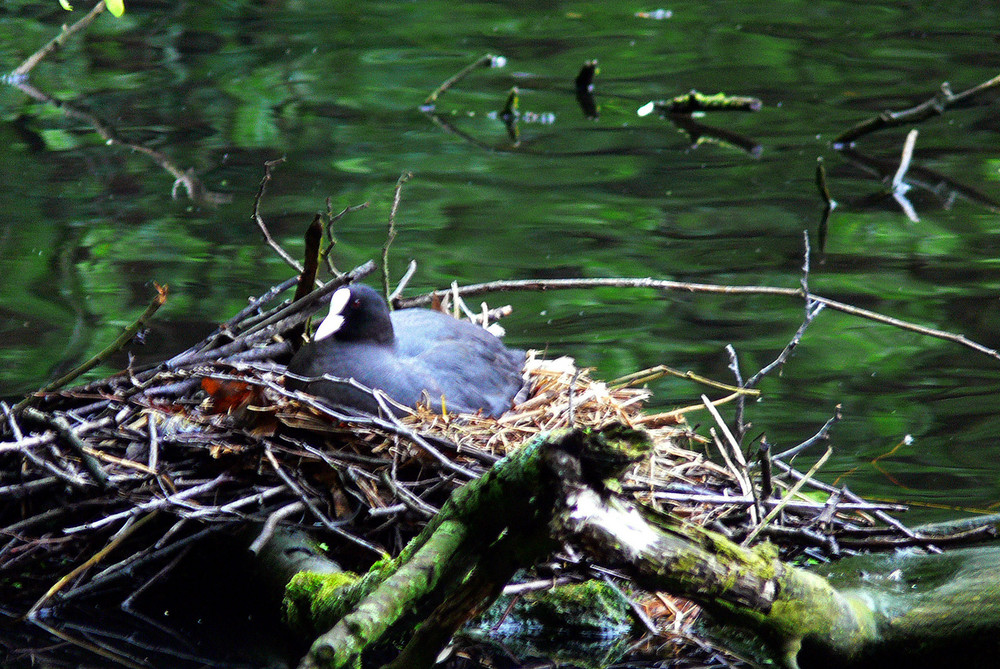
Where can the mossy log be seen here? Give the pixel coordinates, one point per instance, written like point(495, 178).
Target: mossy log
point(560, 488)
point(461, 560)
point(918, 608)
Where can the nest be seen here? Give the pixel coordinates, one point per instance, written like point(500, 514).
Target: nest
point(108, 481)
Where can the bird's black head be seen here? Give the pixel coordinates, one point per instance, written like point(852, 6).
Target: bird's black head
point(357, 313)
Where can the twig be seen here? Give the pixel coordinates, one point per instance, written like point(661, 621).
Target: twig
point(935, 106)
point(812, 310)
point(282, 253)
point(694, 101)
point(740, 471)
point(113, 347)
point(130, 527)
point(489, 60)
point(390, 236)
point(824, 190)
point(332, 241)
point(747, 500)
point(319, 515)
point(153, 504)
point(63, 429)
point(291, 314)
point(653, 373)
point(734, 366)
point(905, 159)
point(187, 178)
point(409, 500)
point(766, 481)
point(822, 434)
point(267, 531)
point(56, 42)
point(663, 284)
point(401, 286)
point(881, 515)
point(786, 498)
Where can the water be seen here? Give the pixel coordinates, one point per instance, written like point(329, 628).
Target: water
point(336, 88)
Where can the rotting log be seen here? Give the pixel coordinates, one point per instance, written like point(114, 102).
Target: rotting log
point(919, 608)
point(464, 556)
point(560, 488)
point(752, 588)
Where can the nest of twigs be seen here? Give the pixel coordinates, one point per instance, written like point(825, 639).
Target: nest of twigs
point(108, 481)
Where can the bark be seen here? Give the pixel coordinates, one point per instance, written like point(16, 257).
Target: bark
point(921, 609)
point(462, 559)
point(559, 489)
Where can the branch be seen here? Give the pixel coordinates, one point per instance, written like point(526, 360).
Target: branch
point(292, 262)
point(391, 234)
point(489, 60)
point(113, 347)
point(935, 106)
point(663, 284)
point(34, 59)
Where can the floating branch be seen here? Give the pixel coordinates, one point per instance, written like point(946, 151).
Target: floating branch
point(824, 190)
point(699, 102)
point(943, 188)
point(182, 177)
point(829, 204)
point(699, 133)
point(510, 114)
point(935, 106)
point(489, 60)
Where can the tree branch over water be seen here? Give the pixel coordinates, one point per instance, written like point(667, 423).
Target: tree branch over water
point(666, 285)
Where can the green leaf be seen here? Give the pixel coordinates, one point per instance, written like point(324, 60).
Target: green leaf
point(116, 7)
point(65, 5)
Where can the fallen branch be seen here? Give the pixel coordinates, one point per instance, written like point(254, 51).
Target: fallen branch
point(34, 59)
point(664, 285)
point(935, 106)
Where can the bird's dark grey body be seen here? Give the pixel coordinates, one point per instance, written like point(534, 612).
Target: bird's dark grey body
point(413, 355)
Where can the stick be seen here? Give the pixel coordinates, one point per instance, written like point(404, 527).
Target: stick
point(786, 498)
point(113, 347)
point(62, 427)
point(905, 159)
point(292, 262)
point(664, 285)
point(489, 60)
point(130, 527)
point(391, 234)
point(57, 41)
point(935, 106)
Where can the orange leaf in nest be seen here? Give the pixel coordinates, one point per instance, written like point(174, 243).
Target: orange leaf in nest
point(228, 396)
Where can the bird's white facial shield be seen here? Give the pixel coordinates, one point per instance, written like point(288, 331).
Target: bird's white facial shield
point(335, 319)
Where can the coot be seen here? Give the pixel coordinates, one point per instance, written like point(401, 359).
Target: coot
point(413, 355)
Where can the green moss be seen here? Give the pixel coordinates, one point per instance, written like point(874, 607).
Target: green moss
point(310, 598)
point(588, 608)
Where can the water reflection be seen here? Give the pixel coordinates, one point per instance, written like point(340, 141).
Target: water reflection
point(222, 89)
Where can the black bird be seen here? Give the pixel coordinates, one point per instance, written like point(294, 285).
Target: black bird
point(413, 355)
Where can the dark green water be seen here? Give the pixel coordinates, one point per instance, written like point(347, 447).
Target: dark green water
point(337, 88)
